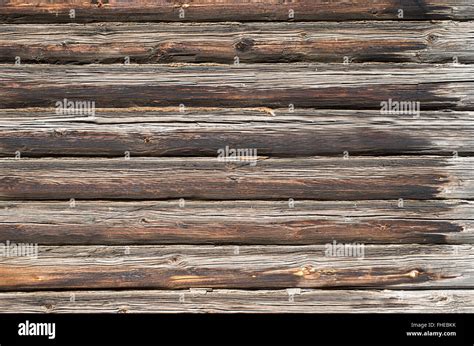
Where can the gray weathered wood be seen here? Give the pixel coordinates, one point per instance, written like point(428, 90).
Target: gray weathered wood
point(240, 301)
point(201, 132)
point(175, 267)
point(422, 42)
point(352, 86)
point(237, 222)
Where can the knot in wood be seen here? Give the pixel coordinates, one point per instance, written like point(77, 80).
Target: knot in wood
point(244, 45)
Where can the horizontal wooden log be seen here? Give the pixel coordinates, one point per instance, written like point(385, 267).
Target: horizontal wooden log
point(240, 301)
point(252, 43)
point(208, 178)
point(262, 267)
point(359, 86)
point(58, 11)
point(237, 222)
point(202, 132)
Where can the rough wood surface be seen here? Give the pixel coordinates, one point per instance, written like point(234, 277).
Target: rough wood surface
point(237, 222)
point(257, 42)
point(131, 209)
point(201, 132)
point(43, 11)
point(240, 301)
point(176, 267)
point(353, 86)
point(207, 178)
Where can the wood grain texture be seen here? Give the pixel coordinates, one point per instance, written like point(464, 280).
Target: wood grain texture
point(171, 229)
point(207, 178)
point(202, 132)
point(237, 222)
point(363, 86)
point(354, 86)
point(433, 42)
point(177, 267)
point(239, 301)
point(57, 11)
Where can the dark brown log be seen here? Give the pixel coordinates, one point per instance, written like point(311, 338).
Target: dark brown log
point(176, 267)
point(257, 42)
point(208, 178)
point(237, 222)
point(57, 11)
point(168, 132)
point(240, 301)
point(360, 86)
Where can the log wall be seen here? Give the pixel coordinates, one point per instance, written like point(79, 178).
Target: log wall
point(335, 204)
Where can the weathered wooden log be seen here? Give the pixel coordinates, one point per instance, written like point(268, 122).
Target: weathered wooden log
point(169, 132)
point(240, 301)
point(237, 222)
point(252, 43)
point(355, 86)
point(59, 11)
point(177, 267)
point(209, 178)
